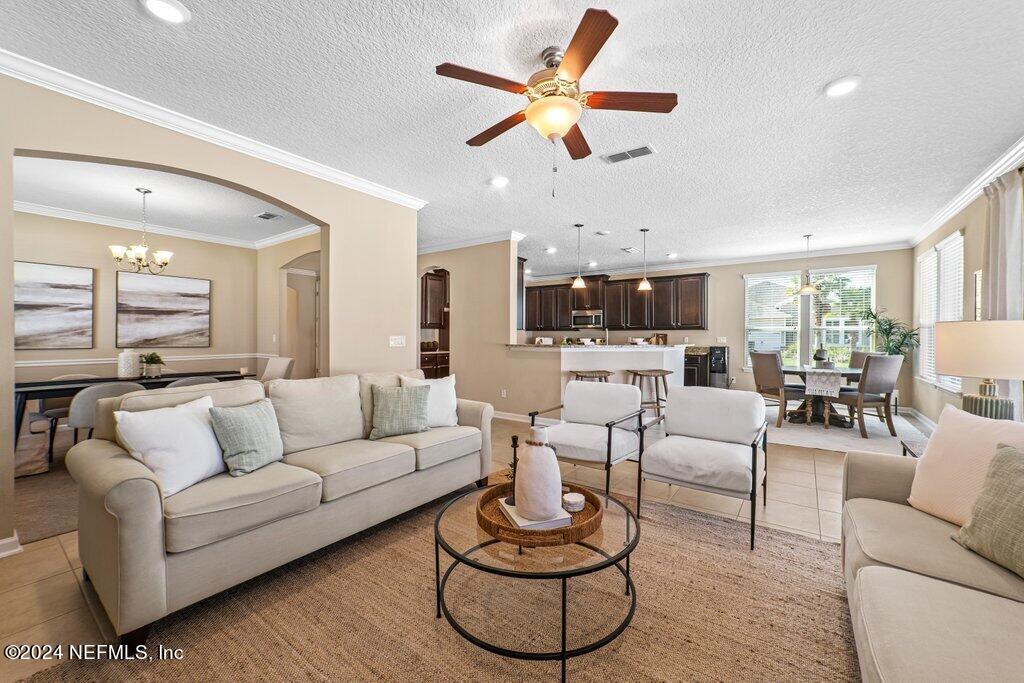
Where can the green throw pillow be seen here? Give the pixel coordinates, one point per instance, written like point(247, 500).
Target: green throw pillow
point(399, 410)
point(248, 435)
point(996, 529)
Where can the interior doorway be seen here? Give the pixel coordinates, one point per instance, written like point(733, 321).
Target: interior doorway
point(300, 322)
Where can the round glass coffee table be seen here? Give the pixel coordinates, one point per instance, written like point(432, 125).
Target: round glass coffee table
point(456, 532)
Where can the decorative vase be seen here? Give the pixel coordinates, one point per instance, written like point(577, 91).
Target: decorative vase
point(128, 365)
point(538, 487)
point(151, 370)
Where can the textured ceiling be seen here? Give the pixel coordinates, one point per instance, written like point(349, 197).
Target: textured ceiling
point(177, 201)
point(752, 158)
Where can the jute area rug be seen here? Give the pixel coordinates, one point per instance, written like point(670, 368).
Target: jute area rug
point(363, 609)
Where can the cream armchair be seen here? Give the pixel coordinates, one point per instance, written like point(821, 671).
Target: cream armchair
point(595, 431)
point(711, 444)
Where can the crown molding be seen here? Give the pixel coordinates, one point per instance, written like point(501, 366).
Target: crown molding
point(109, 221)
point(690, 265)
point(1009, 160)
point(511, 236)
point(48, 77)
point(57, 362)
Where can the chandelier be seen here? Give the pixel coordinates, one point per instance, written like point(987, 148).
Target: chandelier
point(136, 258)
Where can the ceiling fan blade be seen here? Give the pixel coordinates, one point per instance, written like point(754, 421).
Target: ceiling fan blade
point(497, 129)
point(658, 102)
point(590, 36)
point(576, 143)
point(479, 77)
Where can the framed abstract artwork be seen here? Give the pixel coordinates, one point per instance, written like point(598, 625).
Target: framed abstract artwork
point(162, 311)
point(53, 306)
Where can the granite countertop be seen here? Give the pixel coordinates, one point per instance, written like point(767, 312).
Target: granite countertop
point(427, 353)
point(596, 347)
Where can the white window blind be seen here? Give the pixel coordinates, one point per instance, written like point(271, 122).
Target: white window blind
point(941, 298)
point(772, 315)
point(837, 316)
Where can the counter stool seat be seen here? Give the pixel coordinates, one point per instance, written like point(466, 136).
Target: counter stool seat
point(596, 375)
point(637, 377)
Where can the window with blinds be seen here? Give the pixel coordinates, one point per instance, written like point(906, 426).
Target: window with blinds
point(837, 316)
point(772, 315)
point(940, 282)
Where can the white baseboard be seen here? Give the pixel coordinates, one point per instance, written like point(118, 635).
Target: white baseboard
point(516, 417)
point(925, 422)
point(10, 545)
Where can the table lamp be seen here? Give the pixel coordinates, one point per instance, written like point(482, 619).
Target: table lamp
point(984, 349)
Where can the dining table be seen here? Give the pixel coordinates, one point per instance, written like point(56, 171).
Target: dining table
point(65, 388)
point(818, 402)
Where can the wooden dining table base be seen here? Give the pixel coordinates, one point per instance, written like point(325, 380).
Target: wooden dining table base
point(797, 416)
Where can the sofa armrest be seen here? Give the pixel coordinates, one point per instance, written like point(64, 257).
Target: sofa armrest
point(479, 414)
point(878, 476)
point(120, 532)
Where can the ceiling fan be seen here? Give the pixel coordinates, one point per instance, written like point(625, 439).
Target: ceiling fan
point(556, 99)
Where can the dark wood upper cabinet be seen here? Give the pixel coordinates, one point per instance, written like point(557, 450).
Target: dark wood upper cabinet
point(521, 294)
point(664, 304)
point(638, 307)
point(563, 307)
point(433, 300)
point(692, 301)
point(593, 296)
point(548, 308)
point(533, 309)
point(615, 305)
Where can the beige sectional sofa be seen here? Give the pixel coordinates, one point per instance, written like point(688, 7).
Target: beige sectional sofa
point(148, 555)
point(923, 607)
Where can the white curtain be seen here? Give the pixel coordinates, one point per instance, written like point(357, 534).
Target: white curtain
point(1003, 283)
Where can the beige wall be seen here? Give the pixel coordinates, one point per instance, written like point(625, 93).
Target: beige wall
point(929, 400)
point(232, 271)
point(270, 308)
point(300, 332)
point(368, 283)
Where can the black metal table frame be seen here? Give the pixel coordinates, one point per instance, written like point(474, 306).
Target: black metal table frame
point(563, 654)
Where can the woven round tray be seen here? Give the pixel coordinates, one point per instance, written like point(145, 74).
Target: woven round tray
point(492, 520)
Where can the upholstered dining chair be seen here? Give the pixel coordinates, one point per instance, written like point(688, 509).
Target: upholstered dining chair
point(83, 406)
point(192, 381)
point(857, 359)
point(770, 382)
point(278, 367)
point(875, 388)
point(53, 410)
point(711, 441)
point(596, 430)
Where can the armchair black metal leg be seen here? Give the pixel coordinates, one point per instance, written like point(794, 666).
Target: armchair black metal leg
point(753, 514)
point(53, 435)
point(76, 435)
point(764, 482)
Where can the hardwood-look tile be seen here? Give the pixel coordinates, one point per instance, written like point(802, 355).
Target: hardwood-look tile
point(33, 564)
point(828, 468)
point(73, 627)
point(788, 493)
point(831, 524)
point(92, 601)
point(829, 483)
point(785, 515)
point(790, 461)
point(69, 542)
point(793, 477)
point(34, 603)
point(830, 501)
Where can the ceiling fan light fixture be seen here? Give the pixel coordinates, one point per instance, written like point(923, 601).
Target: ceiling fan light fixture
point(553, 116)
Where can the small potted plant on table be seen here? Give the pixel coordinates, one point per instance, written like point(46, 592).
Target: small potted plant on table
point(152, 364)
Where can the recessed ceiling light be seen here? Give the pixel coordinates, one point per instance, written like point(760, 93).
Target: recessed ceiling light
point(842, 86)
point(499, 181)
point(550, 250)
point(603, 233)
point(171, 11)
point(672, 255)
point(592, 264)
point(527, 271)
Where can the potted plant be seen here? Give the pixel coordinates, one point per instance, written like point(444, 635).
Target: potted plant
point(152, 364)
point(892, 336)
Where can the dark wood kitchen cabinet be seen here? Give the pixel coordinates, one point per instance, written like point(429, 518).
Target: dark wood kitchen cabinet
point(433, 300)
point(435, 365)
point(591, 298)
point(692, 302)
point(615, 305)
point(533, 319)
point(563, 308)
point(664, 304)
point(638, 307)
point(549, 308)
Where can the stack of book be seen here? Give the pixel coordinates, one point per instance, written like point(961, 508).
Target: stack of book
point(563, 518)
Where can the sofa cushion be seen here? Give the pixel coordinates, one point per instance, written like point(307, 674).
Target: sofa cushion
point(588, 443)
point(439, 445)
point(355, 465)
point(382, 379)
point(876, 532)
point(316, 412)
point(913, 628)
point(712, 465)
point(224, 506)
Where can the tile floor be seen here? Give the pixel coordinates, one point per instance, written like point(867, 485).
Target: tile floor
point(45, 601)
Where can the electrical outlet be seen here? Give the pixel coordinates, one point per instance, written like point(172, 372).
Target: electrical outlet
point(396, 341)
point(721, 340)
point(504, 393)
point(686, 340)
point(273, 338)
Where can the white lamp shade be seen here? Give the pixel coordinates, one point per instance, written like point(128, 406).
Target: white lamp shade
point(118, 251)
point(163, 257)
point(553, 116)
point(985, 349)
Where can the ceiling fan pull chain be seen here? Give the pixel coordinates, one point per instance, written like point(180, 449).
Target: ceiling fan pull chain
point(554, 167)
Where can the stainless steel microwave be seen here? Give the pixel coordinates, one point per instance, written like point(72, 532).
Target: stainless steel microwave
point(588, 319)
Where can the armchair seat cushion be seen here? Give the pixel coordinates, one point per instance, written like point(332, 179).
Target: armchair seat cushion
point(224, 506)
point(588, 443)
point(712, 465)
point(439, 444)
point(355, 465)
point(880, 533)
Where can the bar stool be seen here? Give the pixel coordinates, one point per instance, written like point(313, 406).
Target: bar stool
point(637, 378)
point(595, 375)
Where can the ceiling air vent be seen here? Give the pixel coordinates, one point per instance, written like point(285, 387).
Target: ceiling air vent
point(631, 250)
point(267, 216)
point(628, 154)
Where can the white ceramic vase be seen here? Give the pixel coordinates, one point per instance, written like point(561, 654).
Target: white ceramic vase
point(128, 364)
point(538, 479)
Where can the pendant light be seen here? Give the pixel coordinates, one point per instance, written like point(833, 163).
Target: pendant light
point(644, 285)
point(136, 258)
point(578, 283)
point(807, 288)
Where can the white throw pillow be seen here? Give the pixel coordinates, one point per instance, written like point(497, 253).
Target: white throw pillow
point(953, 466)
point(442, 404)
point(177, 443)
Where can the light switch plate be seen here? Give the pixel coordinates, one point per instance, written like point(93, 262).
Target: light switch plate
point(721, 340)
point(504, 393)
point(396, 341)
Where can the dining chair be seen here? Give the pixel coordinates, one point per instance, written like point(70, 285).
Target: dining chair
point(192, 381)
point(877, 382)
point(278, 367)
point(83, 406)
point(857, 359)
point(770, 382)
point(593, 432)
point(53, 410)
